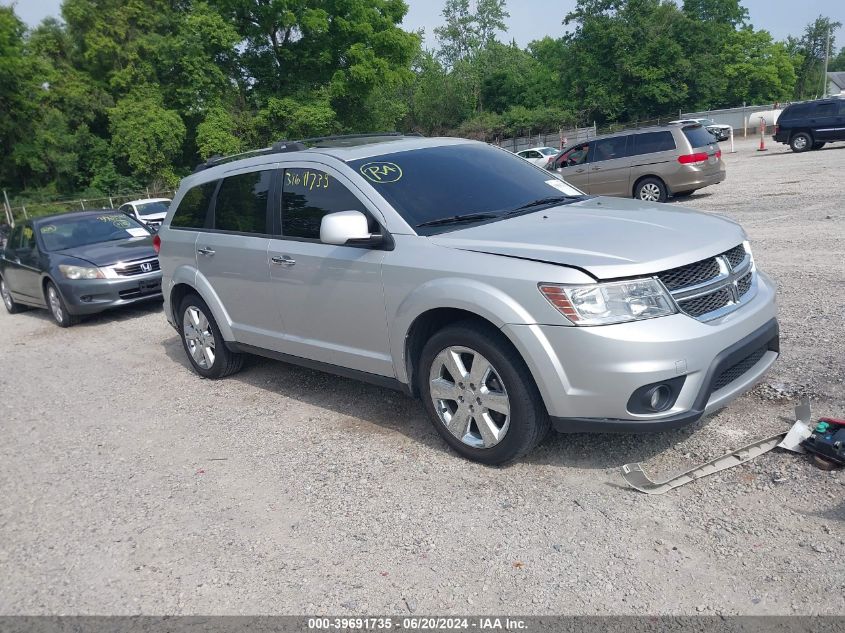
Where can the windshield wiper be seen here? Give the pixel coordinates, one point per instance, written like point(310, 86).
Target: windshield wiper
point(458, 219)
point(540, 202)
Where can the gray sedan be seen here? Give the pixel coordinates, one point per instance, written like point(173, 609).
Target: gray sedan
point(79, 263)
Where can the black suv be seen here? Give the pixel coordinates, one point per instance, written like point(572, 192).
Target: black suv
point(811, 124)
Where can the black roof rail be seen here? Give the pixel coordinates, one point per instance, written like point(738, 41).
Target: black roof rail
point(293, 146)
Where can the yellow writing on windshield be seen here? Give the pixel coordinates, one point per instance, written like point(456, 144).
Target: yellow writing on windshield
point(381, 172)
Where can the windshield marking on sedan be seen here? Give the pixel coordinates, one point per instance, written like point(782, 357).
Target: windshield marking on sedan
point(381, 172)
point(47, 228)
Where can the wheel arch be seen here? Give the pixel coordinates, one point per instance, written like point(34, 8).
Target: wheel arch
point(187, 282)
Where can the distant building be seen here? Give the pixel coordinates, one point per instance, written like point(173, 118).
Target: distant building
point(836, 84)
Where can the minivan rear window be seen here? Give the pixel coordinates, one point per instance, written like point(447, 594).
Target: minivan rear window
point(651, 142)
point(193, 208)
point(698, 136)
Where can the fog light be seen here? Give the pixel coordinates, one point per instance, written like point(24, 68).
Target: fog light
point(658, 397)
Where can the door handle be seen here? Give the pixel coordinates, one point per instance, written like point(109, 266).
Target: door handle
point(206, 251)
point(283, 260)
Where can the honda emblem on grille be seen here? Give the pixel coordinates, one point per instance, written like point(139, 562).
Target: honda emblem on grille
point(146, 267)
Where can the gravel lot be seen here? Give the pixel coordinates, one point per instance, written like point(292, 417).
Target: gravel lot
point(132, 486)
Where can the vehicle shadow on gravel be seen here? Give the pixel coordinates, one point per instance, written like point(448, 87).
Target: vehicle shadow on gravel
point(386, 408)
point(126, 313)
point(396, 412)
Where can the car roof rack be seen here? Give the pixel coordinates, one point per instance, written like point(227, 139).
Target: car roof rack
point(338, 140)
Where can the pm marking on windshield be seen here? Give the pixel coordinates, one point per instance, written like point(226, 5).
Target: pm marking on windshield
point(381, 172)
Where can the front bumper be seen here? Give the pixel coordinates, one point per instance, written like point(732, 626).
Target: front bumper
point(586, 375)
point(89, 296)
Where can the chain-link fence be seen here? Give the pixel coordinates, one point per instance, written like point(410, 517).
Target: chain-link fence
point(35, 209)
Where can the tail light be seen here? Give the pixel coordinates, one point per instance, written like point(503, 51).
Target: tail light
point(777, 129)
point(157, 243)
point(691, 159)
point(718, 153)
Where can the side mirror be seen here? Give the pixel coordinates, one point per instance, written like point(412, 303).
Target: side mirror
point(347, 228)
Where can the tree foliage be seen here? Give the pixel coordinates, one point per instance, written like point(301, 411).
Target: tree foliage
point(124, 93)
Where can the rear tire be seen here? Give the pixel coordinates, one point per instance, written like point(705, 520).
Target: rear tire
point(11, 306)
point(56, 306)
point(202, 341)
point(491, 411)
point(818, 145)
point(801, 142)
point(650, 190)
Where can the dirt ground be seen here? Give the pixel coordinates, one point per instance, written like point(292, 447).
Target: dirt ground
point(131, 486)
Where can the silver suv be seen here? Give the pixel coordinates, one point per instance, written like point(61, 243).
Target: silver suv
point(457, 272)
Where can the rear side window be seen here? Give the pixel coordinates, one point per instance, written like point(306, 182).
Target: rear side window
point(698, 136)
point(193, 208)
point(609, 148)
point(308, 195)
point(651, 142)
point(826, 109)
point(797, 111)
point(241, 204)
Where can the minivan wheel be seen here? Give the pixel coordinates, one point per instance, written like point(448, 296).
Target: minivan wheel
point(11, 306)
point(650, 190)
point(203, 342)
point(57, 307)
point(479, 394)
point(801, 142)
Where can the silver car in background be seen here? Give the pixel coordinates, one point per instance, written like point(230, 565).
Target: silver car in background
point(501, 296)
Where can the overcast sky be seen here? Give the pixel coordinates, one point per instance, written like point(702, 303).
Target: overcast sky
point(533, 19)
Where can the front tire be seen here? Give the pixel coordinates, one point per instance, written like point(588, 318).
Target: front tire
point(801, 142)
point(57, 307)
point(203, 342)
point(479, 395)
point(11, 306)
point(650, 190)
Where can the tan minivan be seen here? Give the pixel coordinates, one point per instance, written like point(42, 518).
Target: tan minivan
point(649, 163)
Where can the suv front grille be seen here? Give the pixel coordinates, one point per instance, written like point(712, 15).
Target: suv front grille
point(138, 268)
point(712, 287)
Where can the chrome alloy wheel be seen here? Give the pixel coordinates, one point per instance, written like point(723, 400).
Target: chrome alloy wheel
point(7, 297)
point(55, 303)
point(650, 192)
point(470, 397)
point(198, 337)
point(800, 142)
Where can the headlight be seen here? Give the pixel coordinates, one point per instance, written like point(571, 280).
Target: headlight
point(614, 302)
point(81, 272)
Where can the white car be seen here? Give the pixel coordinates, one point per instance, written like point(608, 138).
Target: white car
point(538, 155)
point(150, 211)
point(721, 131)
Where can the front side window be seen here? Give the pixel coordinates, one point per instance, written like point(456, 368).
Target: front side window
point(60, 233)
point(576, 156)
point(651, 142)
point(193, 208)
point(308, 195)
point(609, 148)
point(241, 204)
point(439, 184)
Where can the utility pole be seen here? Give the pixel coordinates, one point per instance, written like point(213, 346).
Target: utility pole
point(8, 208)
point(826, 59)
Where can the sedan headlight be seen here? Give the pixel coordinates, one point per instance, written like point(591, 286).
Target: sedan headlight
point(81, 272)
point(613, 302)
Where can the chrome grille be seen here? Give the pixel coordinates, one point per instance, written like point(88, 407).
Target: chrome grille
point(699, 306)
point(713, 287)
point(137, 268)
point(690, 275)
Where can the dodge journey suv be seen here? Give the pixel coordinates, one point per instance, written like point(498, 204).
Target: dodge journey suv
point(502, 297)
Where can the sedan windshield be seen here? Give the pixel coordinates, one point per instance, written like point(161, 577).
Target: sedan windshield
point(151, 208)
point(461, 184)
point(62, 233)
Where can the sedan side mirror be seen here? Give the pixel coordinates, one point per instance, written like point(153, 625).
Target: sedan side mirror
point(347, 228)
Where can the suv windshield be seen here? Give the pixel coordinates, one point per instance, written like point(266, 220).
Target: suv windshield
point(431, 184)
point(151, 208)
point(62, 233)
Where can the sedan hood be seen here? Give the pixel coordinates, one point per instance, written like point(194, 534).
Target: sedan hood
point(155, 217)
point(107, 253)
point(607, 237)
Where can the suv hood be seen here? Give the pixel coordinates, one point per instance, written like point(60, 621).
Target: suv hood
point(607, 237)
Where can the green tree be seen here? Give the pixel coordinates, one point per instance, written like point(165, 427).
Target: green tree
point(837, 64)
point(757, 69)
point(810, 50)
point(147, 135)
